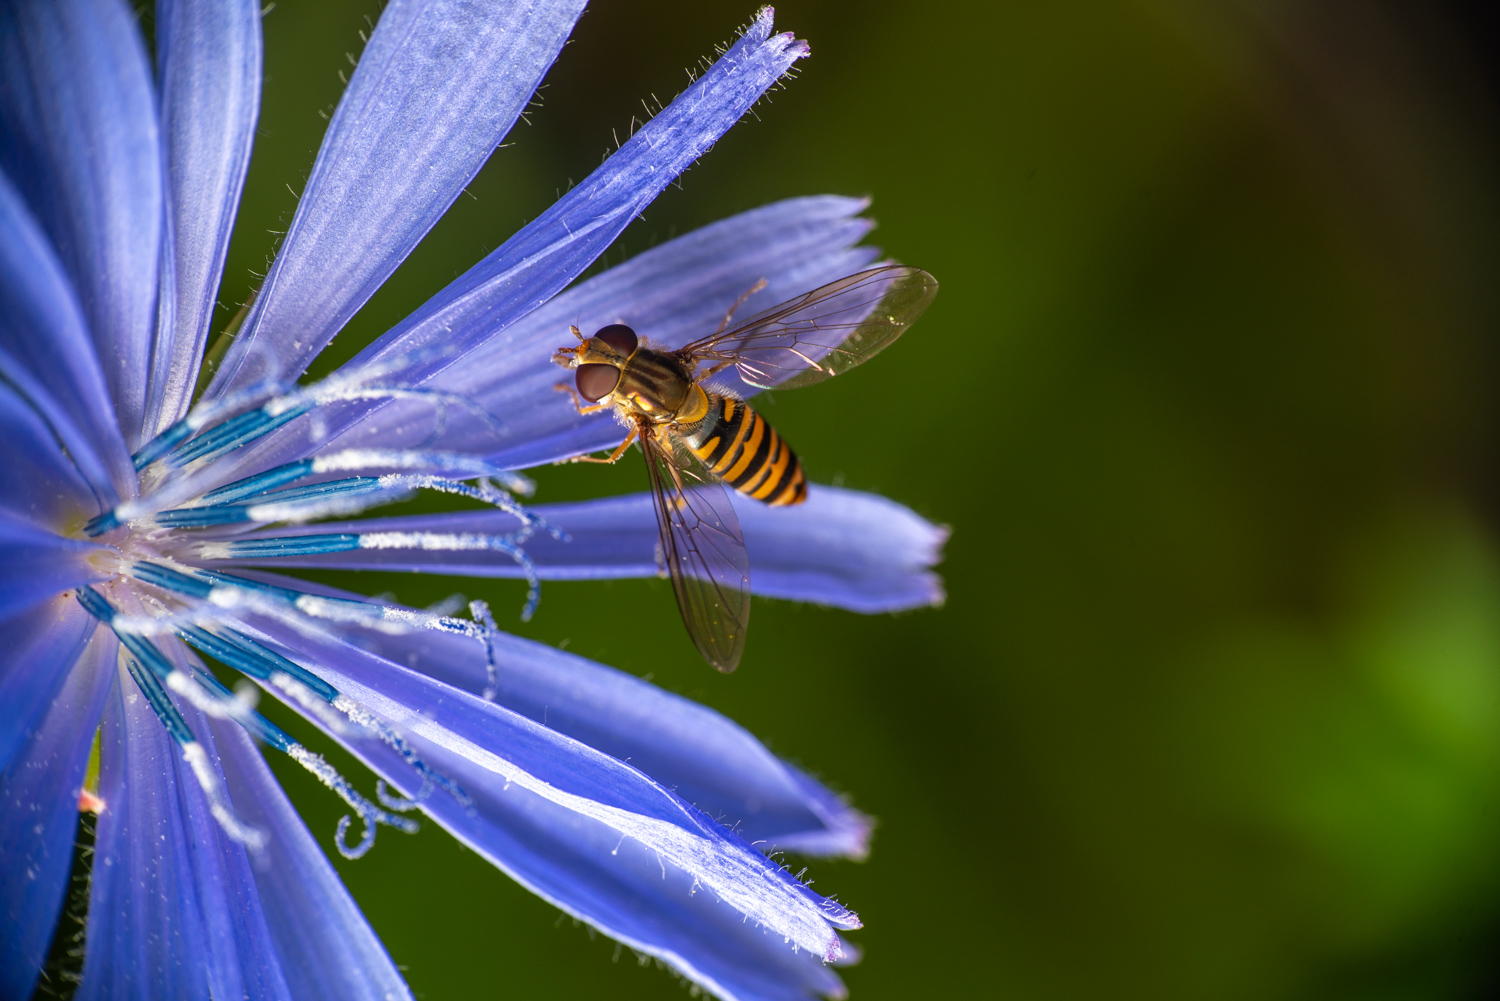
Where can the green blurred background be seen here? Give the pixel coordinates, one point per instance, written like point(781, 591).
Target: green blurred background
point(1208, 399)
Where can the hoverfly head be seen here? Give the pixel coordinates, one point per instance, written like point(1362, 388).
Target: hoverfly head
point(599, 360)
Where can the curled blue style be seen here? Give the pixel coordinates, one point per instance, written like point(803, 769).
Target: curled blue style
point(141, 532)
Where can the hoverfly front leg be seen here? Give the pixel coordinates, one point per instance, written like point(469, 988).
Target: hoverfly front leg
point(583, 408)
point(615, 455)
point(564, 356)
point(568, 358)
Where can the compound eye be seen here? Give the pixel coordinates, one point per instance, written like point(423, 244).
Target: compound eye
point(597, 381)
point(619, 337)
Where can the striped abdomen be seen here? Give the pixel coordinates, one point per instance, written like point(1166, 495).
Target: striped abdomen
point(740, 447)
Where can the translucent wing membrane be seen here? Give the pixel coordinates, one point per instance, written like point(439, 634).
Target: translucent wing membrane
point(703, 550)
point(822, 333)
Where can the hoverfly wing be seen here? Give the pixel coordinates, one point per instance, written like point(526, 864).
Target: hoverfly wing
point(703, 550)
point(824, 332)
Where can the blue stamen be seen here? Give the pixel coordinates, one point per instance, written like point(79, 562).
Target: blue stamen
point(235, 432)
point(364, 612)
point(171, 580)
point(195, 756)
point(229, 514)
point(300, 545)
point(160, 703)
point(245, 655)
point(247, 427)
point(216, 435)
point(202, 517)
point(158, 669)
point(363, 717)
point(253, 721)
point(480, 611)
point(360, 609)
point(217, 579)
point(141, 648)
point(315, 545)
point(105, 522)
point(400, 803)
point(353, 485)
point(367, 811)
point(150, 667)
point(253, 659)
point(93, 602)
point(163, 443)
point(259, 483)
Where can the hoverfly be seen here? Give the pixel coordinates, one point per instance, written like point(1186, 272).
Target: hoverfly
point(685, 409)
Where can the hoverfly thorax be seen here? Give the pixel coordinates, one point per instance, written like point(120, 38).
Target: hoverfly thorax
point(613, 367)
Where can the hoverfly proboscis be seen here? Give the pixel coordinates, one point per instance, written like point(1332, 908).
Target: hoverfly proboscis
point(698, 435)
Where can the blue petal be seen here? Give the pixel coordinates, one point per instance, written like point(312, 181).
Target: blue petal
point(37, 483)
point(701, 755)
point(173, 911)
point(672, 293)
point(704, 757)
point(39, 814)
point(78, 136)
point(483, 316)
point(328, 950)
point(842, 548)
point(36, 564)
point(209, 56)
point(548, 253)
point(40, 647)
point(438, 87)
point(595, 836)
point(45, 342)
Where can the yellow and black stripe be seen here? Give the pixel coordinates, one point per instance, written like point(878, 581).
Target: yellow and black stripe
point(740, 447)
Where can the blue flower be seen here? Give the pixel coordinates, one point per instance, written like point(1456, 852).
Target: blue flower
point(127, 515)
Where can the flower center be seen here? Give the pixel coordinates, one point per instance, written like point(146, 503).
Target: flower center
point(169, 604)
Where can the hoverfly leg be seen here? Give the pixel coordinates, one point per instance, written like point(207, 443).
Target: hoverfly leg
point(578, 404)
point(740, 302)
point(615, 455)
point(715, 370)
